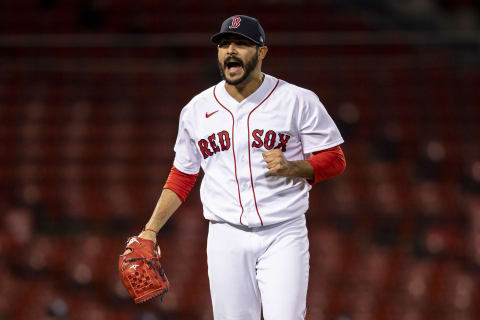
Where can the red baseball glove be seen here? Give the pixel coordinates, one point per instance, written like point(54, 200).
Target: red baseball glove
point(141, 271)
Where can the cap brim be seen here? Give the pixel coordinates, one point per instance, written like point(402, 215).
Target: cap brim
point(217, 37)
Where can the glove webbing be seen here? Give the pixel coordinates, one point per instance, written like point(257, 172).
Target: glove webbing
point(151, 266)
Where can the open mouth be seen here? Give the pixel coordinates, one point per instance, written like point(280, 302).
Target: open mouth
point(233, 65)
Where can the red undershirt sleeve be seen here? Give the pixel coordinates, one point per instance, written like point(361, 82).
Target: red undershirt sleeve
point(180, 183)
point(327, 164)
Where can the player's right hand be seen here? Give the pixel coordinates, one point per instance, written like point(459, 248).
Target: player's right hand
point(277, 164)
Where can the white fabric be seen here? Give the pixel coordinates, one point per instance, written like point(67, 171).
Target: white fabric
point(236, 187)
point(258, 268)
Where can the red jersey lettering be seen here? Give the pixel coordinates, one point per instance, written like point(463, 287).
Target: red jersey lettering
point(282, 145)
point(270, 137)
point(224, 140)
point(203, 144)
point(257, 136)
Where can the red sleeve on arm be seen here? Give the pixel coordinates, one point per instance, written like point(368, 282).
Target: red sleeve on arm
point(327, 164)
point(180, 183)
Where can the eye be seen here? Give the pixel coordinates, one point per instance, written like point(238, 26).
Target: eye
point(244, 43)
point(224, 44)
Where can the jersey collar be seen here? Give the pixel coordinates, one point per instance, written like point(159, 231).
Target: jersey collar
point(255, 98)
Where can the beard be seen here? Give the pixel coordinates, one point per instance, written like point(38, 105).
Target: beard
point(248, 68)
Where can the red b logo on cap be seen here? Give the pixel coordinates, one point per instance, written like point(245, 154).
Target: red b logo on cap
point(235, 23)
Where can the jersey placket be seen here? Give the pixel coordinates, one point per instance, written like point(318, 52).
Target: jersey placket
point(240, 112)
point(249, 217)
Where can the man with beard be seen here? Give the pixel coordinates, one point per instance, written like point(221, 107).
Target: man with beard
point(262, 143)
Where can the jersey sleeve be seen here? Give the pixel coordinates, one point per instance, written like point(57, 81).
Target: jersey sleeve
point(187, 156)
point(316, 127)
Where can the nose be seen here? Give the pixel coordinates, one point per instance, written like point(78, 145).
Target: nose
point(231, 49)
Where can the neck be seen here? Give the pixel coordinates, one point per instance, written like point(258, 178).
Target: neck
point(243, 90)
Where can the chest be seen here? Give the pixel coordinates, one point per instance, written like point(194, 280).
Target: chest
point(271, 124)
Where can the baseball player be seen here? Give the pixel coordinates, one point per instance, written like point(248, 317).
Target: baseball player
point(262, 144)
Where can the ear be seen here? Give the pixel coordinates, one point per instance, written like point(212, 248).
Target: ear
point(262, 52)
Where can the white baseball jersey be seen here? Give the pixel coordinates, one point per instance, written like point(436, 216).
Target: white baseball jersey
point(227, 138)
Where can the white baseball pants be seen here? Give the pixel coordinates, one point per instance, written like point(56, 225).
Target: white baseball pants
point(251, 269)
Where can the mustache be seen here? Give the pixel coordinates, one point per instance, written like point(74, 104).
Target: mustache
point(232, 59)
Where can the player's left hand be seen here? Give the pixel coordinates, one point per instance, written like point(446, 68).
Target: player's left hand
point(141, 271)
point(277, 165)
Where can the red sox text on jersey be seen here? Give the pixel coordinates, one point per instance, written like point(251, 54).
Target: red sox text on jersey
point(261, 138)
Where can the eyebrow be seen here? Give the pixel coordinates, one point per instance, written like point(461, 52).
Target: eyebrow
point(237, 39)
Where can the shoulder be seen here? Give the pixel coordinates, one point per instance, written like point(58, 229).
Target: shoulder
point(203, 97)
point(287, 89)
point(304, 101)
point(302, 93)
point(198, 102)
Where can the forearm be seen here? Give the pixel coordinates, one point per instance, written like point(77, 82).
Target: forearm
point(301, 169)
point(167, 204)
point(323, 165)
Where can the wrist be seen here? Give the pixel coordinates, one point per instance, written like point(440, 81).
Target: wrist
point(148, 233)
point(293, 169)
point(301, 169)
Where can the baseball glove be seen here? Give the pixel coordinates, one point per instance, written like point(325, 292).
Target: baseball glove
point(141, 271)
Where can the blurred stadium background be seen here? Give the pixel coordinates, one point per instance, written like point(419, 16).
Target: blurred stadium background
point(90, 94)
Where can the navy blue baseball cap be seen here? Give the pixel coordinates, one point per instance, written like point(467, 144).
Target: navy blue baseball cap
point(241, 25)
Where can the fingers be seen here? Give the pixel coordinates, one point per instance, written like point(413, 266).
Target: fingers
point(272, 154)
point(276, 169)
point(128, 250)
point(275, 161)
point(273, 158)
point(272, 162)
